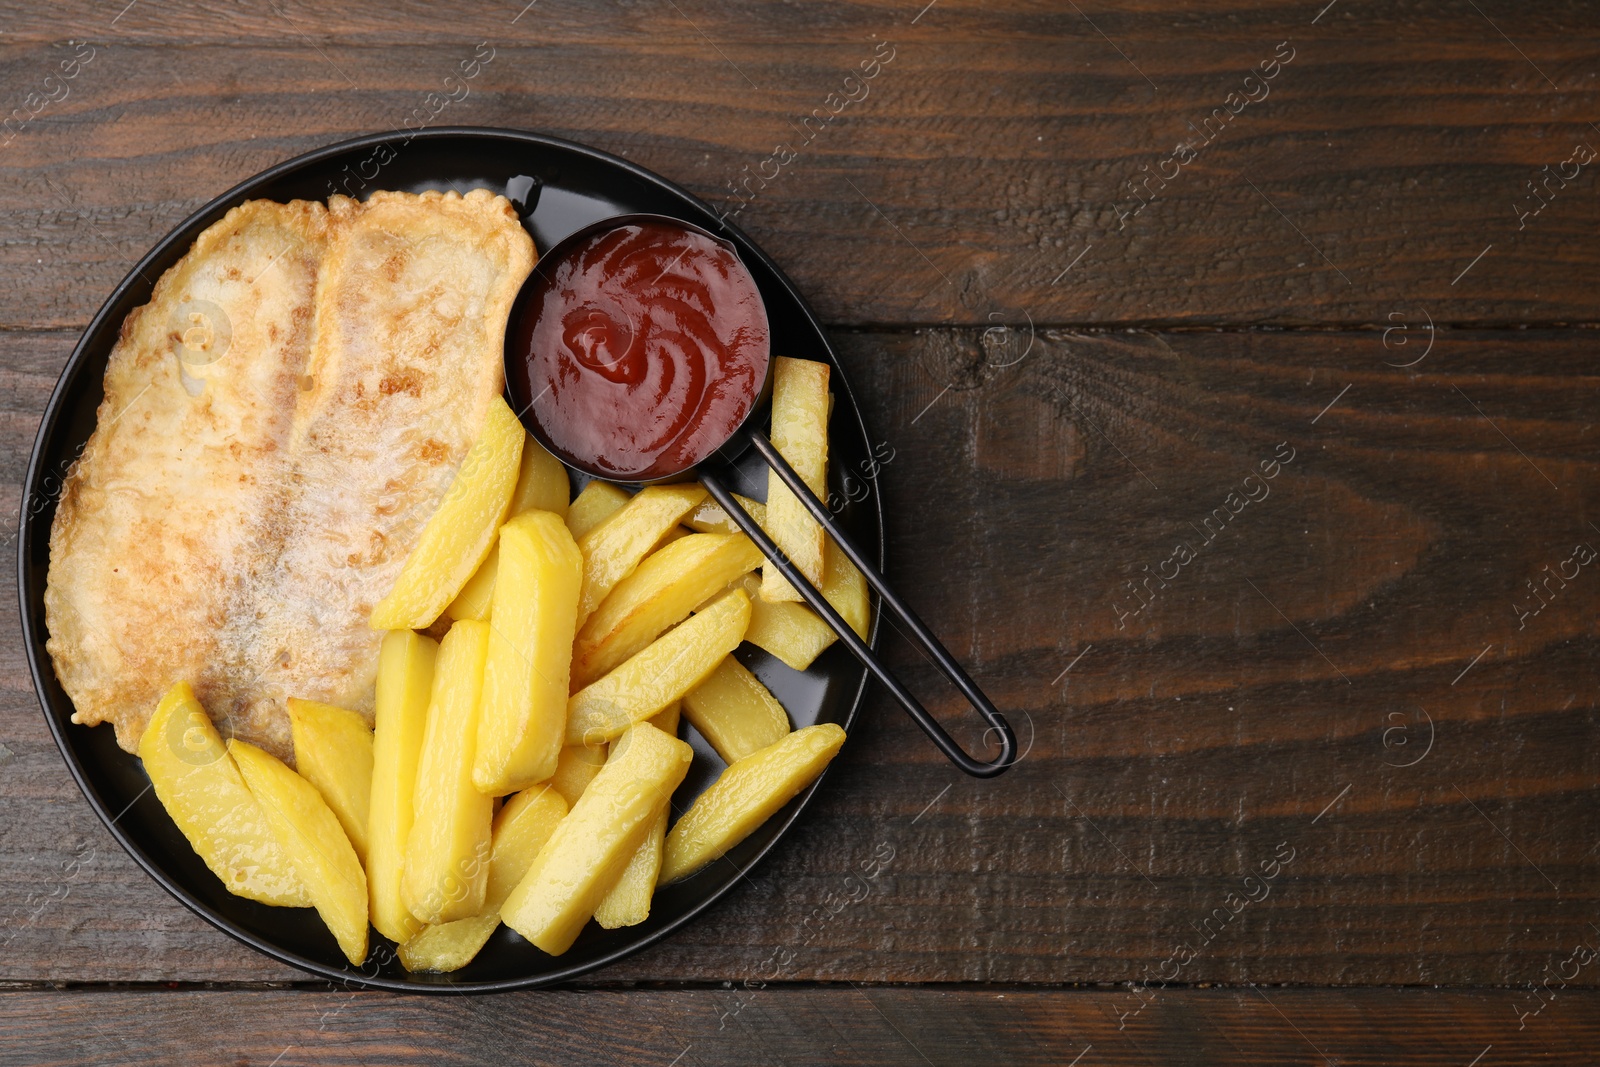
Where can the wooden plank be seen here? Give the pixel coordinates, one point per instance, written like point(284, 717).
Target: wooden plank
point(860, 1025)
point(1000, 143)
point(1265, 702)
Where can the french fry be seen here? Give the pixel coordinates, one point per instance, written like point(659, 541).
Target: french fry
point(525, 679)
point(521, 829)
point(307, 829)
point(792, 632)
point(628, 903)
point(845, 587)
point(735, 712)
point(800, 434)
point(201, 787)
point(405, 687)
point(796, 634)
point(597, 503)
point(673, 664)
point(460, 533)
point(586, 855)
point(447, 854)
point(542, 486)
point(333, 751)
point(576, 769)
point(668, 585)
point(542, 483)
point(746, 795)
point(675, 534)
point(613, 549)
point(477, 596)
point(708, 516)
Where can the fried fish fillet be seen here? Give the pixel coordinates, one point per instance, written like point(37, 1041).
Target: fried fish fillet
point(278, 424)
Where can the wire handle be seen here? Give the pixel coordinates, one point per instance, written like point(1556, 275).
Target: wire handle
point(941, 656)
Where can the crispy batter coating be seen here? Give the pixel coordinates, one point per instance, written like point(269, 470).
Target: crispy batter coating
point(278, 424)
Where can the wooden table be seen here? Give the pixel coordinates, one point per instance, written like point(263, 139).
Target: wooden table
point(1243, 430)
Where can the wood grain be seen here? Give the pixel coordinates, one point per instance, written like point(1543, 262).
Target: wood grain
point(997, 146)
point(861, 1025)
point(1265, 703)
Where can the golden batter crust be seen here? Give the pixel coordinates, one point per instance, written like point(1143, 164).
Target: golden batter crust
point(278, 424)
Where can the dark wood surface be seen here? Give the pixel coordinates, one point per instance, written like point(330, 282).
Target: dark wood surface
point(1338, 675)
point(856, 1026)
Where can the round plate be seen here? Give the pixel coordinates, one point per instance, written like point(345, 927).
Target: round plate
point(557, 186)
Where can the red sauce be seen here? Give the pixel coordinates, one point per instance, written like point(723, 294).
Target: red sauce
point(643, 349)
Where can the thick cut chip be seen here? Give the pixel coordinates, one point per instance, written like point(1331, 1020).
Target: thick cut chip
point(746, 795)
point(597, 503)
point(308, 830)
point(668, 585)
point(792, 632)
point(477, 597)
point(615, 547)
point(524, 716)
point(543, 484)
point(447, 855)
point(521, 829)
point(708, 516)
point(405, 687)
point(586, 855)
point(628, 903)
point(576, 769)
point(796, 634)
point(735, 712)
point(800, 434)
point(675, 663)
point(198, 783)
point(846, 588)
point(279, 423)
point(333, 751)
point(460, 534)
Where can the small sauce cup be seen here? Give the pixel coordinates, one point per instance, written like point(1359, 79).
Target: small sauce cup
point(738, 429)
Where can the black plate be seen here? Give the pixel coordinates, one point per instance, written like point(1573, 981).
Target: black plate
point(558, 186)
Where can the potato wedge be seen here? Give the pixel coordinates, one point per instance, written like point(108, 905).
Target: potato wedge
point(447, 854)
point(735, 712)
point(667, 586)
point(525, 687)
point(333, 751)
point(628, 903)
point(477, 596)
point(460, 533)
point(800, 434)
point(589, 850)
point(542, 483)
point(521, 829)
point(708, 516)
point(675, 663)
point(613, 549)
point(575, 769)
point(405, 688)
point(746, 795)
point(200, 786)
point(597, 503)
point(307, 829)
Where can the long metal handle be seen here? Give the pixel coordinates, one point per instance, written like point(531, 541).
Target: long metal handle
point(941, 656)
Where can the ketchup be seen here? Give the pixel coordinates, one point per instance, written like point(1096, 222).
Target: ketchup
point(644, 348)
